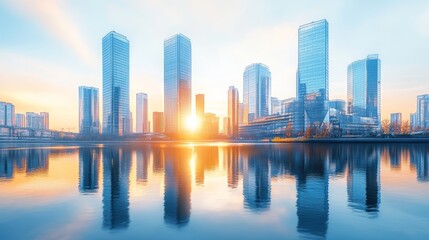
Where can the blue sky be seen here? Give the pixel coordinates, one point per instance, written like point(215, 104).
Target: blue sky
point(49, 48)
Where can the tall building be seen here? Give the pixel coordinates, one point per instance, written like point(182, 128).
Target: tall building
point(275, 105)
point(363, 88)
point(158, 122)
point(89, 121)
point(141, 112)
point(413, 121)
point(200, 106)
point(396, 122)
point(177, 82)
point(233, 111)
point(20, 120)
point(256, 92)
point(313, 72)
point(7, 114)
point(423, 111)
point(45, 120)
point(116, 84)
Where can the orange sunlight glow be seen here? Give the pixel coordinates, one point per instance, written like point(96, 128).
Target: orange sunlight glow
point(192, 123)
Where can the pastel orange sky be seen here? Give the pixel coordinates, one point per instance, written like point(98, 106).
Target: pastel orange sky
point(49, 48)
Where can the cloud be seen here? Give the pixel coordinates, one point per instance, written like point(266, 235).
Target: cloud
point(53, 17)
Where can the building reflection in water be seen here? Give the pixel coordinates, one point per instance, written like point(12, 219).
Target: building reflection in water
point(363, 179)
point(233, 168)
point(142, 164)
point(256, 180)
point(28, 161)
point(312, 179)
point(419, 157)
point(177, 188)
point(207, 159)
point(116, 171)
point(89, 166)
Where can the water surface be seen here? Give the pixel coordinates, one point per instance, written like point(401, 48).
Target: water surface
point(215, 191)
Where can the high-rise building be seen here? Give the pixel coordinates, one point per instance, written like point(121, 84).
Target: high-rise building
point(233, 111)
point(142, 113)
point(89, 121)
point(7, 114)
point(158, 122)
point(241, 114)
point(116, 84)
point(313, 72)
point(256, 92)
point(177, 82)
point(45, 120)
point(199, 106)
point(363, 88)
point(423, 111)
point(20, 120)
point(413, 121)
point(395, 122)
point(275, 105)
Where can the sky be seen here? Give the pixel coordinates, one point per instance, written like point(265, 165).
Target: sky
point(49, 48)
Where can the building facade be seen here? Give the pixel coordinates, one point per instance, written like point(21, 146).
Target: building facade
point(37, 121)
point(233, 111)
point(363, 88)
point(423, 112)
point(7, 114)
point(313, 72)
point(116, 84)
point(177, 82)
point(395, 122)
point(89, 120)
point(158, 122)
point(256, 92)
point(20, 120)
point(142, 124)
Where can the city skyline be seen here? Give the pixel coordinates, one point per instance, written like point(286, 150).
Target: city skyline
point(70, 64)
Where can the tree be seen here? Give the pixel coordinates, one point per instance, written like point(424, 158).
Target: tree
point(385, 126)
point(405, 127)
point(289, 130)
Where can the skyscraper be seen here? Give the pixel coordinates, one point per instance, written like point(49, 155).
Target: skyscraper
point(177, 82)
point(7, 114)
point(158, 122)
point(45, 120)
point(89, 121)
point(363, 88)
point(256, 92)
point(141, 112)
point(19, 120)
point(200, 106)
point(116, 84)
point(313, 72)
point(423, 111)
point(233, 111)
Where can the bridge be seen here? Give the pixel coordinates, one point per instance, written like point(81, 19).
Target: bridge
point(14, 132)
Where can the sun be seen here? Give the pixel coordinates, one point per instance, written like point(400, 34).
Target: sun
point(192, 123)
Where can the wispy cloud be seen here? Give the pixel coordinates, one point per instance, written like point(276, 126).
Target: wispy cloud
point(52, 16)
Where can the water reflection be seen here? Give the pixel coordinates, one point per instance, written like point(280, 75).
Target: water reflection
point(89, 165)
point(310, 168)
point(363, 179)
point(116, 171)
point(177, 186)
point(28, 161)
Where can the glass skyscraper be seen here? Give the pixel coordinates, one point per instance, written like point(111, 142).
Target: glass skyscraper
point(89, 121)
point(313, 72)
point(7, 114)
point(256, 92)
point(423, 111)
point(177, 82)
point(116, 84)
point(363, 88)
point(141, 112)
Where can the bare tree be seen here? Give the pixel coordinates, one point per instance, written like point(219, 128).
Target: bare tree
point(385, 126)
point(405, 127)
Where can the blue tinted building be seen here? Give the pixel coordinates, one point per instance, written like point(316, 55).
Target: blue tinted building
point(89, 121)
point(177, 82)
point(363, 88)
point(256, 92)
point(116, 84)
point(313, 72)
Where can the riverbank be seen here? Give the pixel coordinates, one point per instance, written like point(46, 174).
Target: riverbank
point(277, 141)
